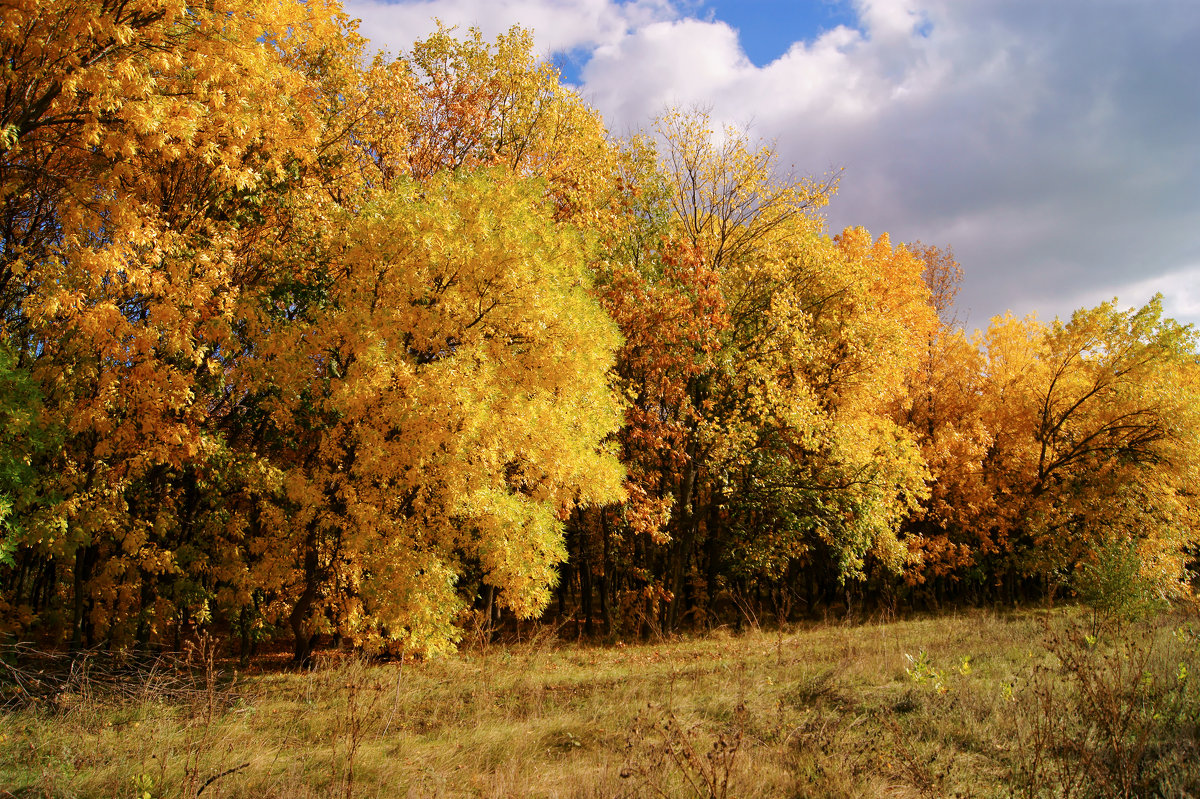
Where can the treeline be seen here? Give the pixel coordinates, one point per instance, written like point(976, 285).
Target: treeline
point(298, 344)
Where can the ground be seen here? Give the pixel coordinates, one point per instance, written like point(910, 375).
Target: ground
point(982, 703)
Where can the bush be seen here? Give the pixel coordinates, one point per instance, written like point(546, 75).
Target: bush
point(1115, 584)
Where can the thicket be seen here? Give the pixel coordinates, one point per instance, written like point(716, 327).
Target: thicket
point(301, 346)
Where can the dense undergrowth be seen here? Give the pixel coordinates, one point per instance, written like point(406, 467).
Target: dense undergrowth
point(1025, 704)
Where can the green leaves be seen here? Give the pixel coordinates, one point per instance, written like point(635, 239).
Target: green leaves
point(25, 440)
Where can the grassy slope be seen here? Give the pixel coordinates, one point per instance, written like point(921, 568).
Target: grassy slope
point(826, 711)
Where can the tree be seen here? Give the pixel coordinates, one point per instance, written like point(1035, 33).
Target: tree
point(955, 528)
point(1115, 432)
point(758, 359)
point(1052, 445)
point(462, 103)
point(441, 407)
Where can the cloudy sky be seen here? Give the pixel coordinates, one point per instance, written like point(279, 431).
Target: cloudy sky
point(1054, 144)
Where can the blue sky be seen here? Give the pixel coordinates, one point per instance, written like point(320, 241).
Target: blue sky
point(1054, 144)
point(768, 28)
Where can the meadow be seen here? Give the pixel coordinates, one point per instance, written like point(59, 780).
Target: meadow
point(1032, 703)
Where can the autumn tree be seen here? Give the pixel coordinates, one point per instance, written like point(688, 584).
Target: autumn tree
point(1114, 426)
point(133, 132)
point(754, 359)
point(458, 102)
point(672, 313)
point(1051, 444)
point(293, 343)
point(829, 485)
point(216, 208)
point(443, 405)
point(954, 528)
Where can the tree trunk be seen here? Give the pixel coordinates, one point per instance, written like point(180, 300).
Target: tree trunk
point(298, 620)
point(84, 556)
point(606, 579)
point(680, 548)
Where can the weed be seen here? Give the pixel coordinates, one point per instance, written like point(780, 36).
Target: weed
point(659, 745)
point(920, 771)
point(921, 670)
point(1115, 587)
point(1108, 716)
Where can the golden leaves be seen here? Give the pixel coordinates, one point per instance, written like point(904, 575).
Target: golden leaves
point(459, 368)
point(324, 339)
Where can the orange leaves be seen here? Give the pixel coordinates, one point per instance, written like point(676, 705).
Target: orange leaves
point(759, 359)
point(1050, 442)
point(672, 322)
point(148, 141)
point(332, 345)
point(467, 104)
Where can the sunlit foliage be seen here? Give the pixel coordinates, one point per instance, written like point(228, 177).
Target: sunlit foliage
point(297, 344)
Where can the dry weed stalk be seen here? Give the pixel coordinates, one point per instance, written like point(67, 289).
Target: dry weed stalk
point(658, 743)
point(1116, 716)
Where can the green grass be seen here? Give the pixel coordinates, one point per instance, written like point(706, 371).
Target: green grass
point(976, 704)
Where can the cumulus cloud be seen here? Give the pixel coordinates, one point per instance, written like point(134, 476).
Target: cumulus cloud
point(1180, 290)
point(665, 64)
point(1052, 144)
point(561, 26)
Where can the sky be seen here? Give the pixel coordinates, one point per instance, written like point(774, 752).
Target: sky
point(1053, 144)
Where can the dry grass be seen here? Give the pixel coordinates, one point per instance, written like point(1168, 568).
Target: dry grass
point(946, 706)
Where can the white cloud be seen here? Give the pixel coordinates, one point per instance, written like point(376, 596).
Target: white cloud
point(1180, 290)
point(558, 25)
point(664, 64)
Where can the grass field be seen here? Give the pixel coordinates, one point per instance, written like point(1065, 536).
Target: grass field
point(976, 704)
